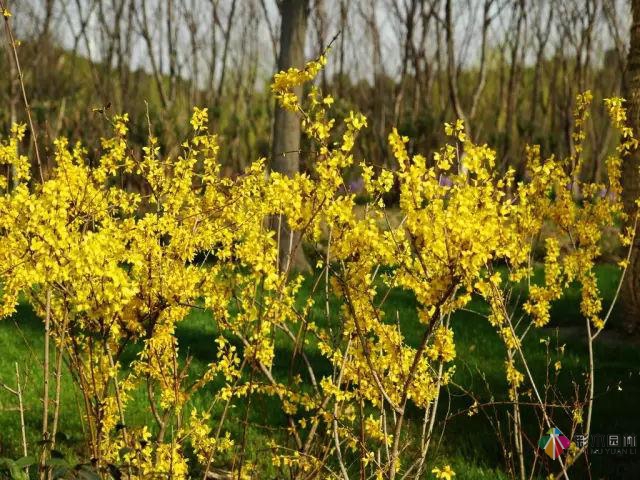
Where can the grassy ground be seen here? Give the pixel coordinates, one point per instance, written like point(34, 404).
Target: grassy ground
point(468, 443)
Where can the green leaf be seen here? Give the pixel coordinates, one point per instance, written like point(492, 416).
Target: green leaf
point(25, 461)
point(59, 472)
point(124, 451)
point(58, 462)
point(17, 473)
point(16, 468)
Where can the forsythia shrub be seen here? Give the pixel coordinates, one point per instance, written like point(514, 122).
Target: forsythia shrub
point(108, 268)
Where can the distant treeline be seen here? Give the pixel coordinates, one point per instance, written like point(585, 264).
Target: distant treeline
point(510, 68)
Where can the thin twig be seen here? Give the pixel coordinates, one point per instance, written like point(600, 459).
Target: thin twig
point(27, 107)
point(59, 358)
point(45, 394)
point(23, 430)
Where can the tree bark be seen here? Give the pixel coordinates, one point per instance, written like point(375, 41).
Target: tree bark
point(286, 127)
point(630, 295)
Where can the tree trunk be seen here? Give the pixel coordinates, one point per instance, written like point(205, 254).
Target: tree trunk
point(630, 295)
point(286, 128)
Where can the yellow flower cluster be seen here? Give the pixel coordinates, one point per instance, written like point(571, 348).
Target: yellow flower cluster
point(514, 377)
point(444, 473)
point(114, 267)
point(285, 82)
point(443, 348)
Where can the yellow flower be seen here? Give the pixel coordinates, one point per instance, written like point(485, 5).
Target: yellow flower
point(199, 119)
point(444, 473)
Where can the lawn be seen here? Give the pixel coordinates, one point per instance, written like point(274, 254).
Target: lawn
point(467, 443)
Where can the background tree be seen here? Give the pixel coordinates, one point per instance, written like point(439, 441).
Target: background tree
point(631, 173)
point(286, 125)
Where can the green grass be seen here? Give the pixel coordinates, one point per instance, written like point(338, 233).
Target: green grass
point(467, 443)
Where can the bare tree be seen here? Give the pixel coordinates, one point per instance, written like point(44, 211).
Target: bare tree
point(516, 52)
point(145, 30)
point(453, 69)
point(225, 48)
point(541, 33)
point(14, 99)
point(631, 174)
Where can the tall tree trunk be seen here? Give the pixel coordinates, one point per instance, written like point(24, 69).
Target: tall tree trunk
point(630, 294)
point(286, 127)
